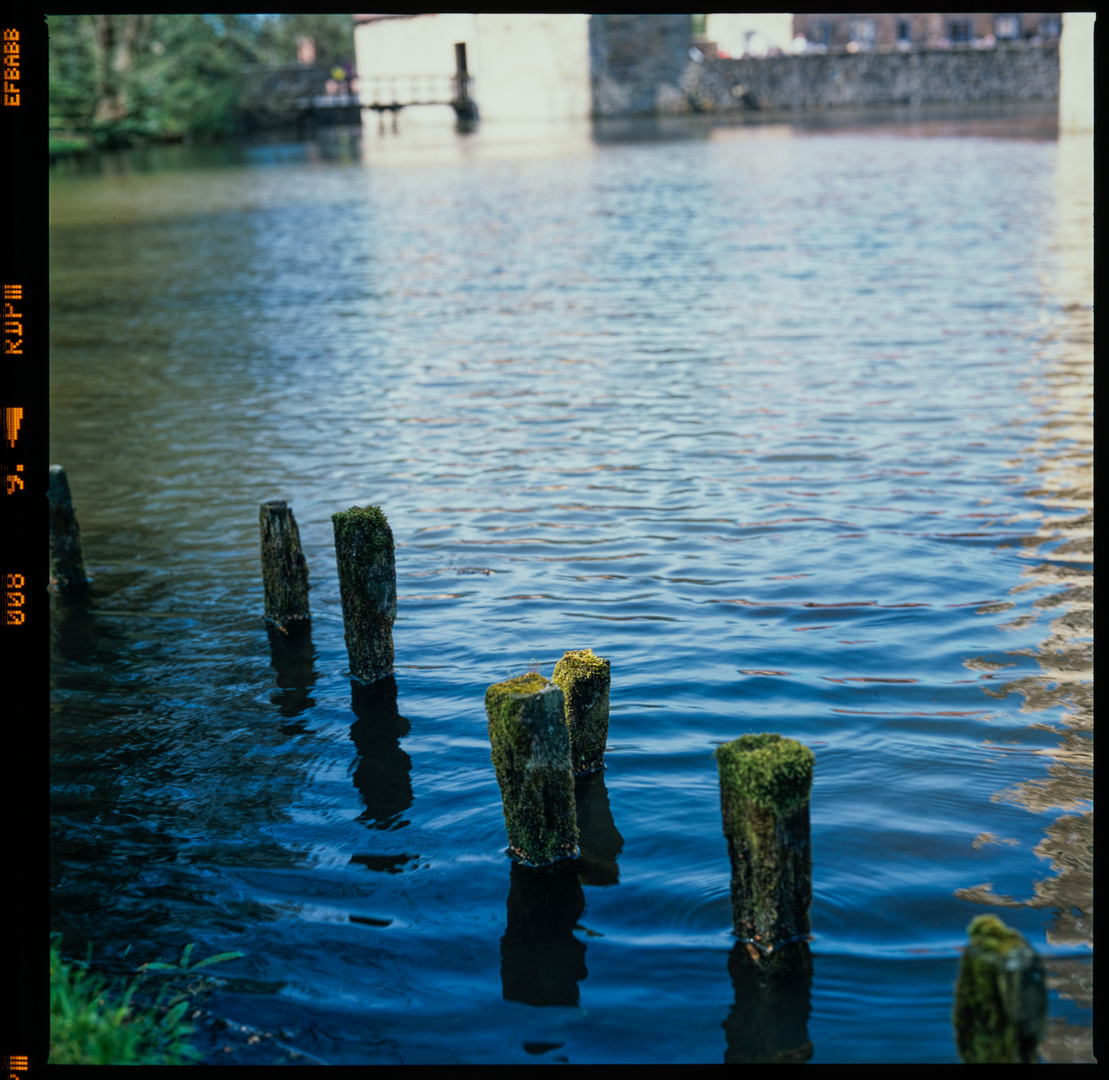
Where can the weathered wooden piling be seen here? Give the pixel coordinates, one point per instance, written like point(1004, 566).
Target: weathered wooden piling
point(584, 680)
point(765, 782)
point(284, 569)
point(531, 756)
point(367, 588)
point(67, 563)
point(1000, 998)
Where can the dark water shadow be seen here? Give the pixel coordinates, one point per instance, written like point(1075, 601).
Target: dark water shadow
point(383, 773)
point(769, 1022)
point(293, 659)
point(600, 840)
point(542, 961)
point(651, 128)
point(77, 635)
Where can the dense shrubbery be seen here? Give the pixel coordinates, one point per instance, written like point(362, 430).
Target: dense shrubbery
point(121, 79)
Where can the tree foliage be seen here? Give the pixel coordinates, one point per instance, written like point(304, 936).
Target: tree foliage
point(127, 78)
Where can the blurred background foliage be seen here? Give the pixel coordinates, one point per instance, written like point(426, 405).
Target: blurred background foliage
point(117, 80)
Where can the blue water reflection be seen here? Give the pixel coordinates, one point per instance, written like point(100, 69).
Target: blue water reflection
point(792, 426)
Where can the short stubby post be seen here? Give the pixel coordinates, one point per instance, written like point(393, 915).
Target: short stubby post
point(367, 588)
point(67, 563)
point(1000, 997)
point(765, 783)
point(531, 756)
point(284, 569)
point(584, 680)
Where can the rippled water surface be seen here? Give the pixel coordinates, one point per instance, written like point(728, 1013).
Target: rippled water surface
point(793, 426)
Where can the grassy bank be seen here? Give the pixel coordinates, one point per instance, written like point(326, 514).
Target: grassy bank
point(97, 1022)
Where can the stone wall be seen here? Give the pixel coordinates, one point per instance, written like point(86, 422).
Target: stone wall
point(637, 63)
point(1018, 72)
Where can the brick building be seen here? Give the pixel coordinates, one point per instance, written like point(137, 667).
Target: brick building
point(860, 31)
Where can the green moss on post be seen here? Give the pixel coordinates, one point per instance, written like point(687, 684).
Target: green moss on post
point(284, 570)
point(531, 756)
point(1000, 998)
point(584, 680)
point(765, 782)
point(67, 563)
point(368, 589)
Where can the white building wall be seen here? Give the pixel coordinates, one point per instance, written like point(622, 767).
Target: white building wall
point(412, 55)
point(738, 34)
point(532, 67)
point(524, 67)
point(1076, 72)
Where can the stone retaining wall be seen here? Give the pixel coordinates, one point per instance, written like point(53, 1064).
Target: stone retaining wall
point(1018, 72)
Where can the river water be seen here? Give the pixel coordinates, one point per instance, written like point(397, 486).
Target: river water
point(792, 424)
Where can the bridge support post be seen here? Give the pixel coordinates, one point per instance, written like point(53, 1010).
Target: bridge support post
point(464, 106)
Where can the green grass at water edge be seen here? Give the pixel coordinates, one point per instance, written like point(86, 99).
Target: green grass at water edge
point(96, 1022)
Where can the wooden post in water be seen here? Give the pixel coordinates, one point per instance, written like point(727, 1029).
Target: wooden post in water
point(765, 782)
point(367, 588)
point(531, 756)
point(67, 563)
point(1000, 999)
point(465, 108)
point(284, 569)
point(584, 680)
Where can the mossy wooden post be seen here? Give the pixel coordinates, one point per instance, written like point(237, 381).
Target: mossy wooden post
point(584, 680)
point(368, 589)
point(765, 782)
point(1000, 998)
point(67, 563)
point(284, 570)
point(531, 756)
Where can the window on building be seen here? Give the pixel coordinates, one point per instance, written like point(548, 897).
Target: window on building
point(1051, 27)
point(698, 26)
point(821, 32)
point(863, 32)
point(904, 32)
point(1006, 27)
point(960, 31)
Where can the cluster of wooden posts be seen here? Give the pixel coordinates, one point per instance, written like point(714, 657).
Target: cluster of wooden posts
point(544, 733)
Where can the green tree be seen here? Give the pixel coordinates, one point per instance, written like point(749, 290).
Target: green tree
point(127, 78)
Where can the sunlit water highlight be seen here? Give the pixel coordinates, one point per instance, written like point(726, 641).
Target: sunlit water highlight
point(792, 426)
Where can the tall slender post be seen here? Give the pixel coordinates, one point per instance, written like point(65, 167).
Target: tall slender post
point(284, 569)
point(584, 680)
point(367, 588)
point(464, 106)
point(765, 783)
point(531, 756)
point(1000, 999)
point(67, 563)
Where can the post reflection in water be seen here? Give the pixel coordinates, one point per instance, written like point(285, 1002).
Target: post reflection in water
point(383, 774)
point(293, 657)
point(542, 961)
point(769, 1021)
point(600, 841)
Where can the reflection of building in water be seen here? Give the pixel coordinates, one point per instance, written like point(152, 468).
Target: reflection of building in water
point(1060, 560)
